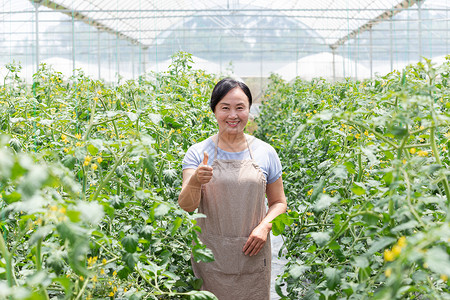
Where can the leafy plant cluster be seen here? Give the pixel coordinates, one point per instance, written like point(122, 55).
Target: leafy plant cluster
point(366, 168)
point(90, 175)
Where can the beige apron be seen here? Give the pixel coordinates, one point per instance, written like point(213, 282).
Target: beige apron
point(234, 203)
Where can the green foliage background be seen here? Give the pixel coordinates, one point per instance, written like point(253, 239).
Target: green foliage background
point(90, 175)
point(366, 170)
point(90, 181)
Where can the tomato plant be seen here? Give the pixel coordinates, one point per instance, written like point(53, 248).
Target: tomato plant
point(90, 176)
point(366, 177)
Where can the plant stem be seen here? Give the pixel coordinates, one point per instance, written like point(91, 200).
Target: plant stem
point(8, 262)
point(438, 161)
point(111, 173)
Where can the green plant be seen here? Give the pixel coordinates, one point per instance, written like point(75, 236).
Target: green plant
point(366, 177)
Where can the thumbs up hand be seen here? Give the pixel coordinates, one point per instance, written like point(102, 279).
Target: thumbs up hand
point(204, 172)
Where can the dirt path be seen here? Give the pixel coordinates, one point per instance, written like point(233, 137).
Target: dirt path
point(277, 264)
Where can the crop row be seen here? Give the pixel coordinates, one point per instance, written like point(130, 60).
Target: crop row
point(366, 168)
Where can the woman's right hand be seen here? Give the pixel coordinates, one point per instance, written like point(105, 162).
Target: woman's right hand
point(204, 173)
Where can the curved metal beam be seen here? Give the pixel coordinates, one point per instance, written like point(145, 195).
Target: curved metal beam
point(388, 14)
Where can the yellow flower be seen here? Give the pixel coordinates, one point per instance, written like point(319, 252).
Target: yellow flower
point(99, 92)
point(111, 294)
point(404, 161)
point(78, 144)
point(310, 192)
point(366, 133)
point(78, 136)
point(62, 210)
point(95, 98)
point(388, 255)
point(99, 160)
point(444, 277)
point(114, 273)
point(422, 153)
point(102, 271)
point(289, 210)
point(104, 261)
point(412, 150)
point(396, 250)
point(388, 272)
point(66, 150)
point(421, 128)
point(81, 278)
point(94, 167)
point(357, 135)
point(54, 208)
point(63, 137)
point(94, 279)
point(402, 242)
point(425, 266)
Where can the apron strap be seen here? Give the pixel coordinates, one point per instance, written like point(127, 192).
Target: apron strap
point(217, 147)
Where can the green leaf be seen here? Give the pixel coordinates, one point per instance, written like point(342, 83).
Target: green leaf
point(324, 202)
point(361, 261)
point(12, 197)
point(321, 238)
point(358, 190)
point(333, 278)
point(130, 243)
point(92, 149)
point(405, 226)
point(350, 167)
point(66, 283)
point(149, 163)
point(201, 253)
point(69, 161)
point(438, 260)
point(298, 270)
point(176, 224)
point(161, 210)
point(146, 232)
point(380, 244)
point(130, 259)
point(201, 295)
point(388, 177)
point(279, 224)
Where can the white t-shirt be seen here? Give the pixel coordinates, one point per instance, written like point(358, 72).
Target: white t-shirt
point(265, 156)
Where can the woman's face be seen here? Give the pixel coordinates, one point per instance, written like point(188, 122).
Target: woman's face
point(232, 112)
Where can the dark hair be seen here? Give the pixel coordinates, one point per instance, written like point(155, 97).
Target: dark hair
point(224, 86)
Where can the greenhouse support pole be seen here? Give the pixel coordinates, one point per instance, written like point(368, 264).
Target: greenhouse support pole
point(356, 58)
point(220, 53)
point(117, 55)
point(370, 52)
point(144, 62)
point(73, 43)
point(419, 12)
point(98, 55)
point(334, 64)
point(390, 45)
point(36, 11)
point(132, 61)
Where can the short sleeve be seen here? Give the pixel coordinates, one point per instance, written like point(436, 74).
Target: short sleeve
point(275, 168)
point(191, 159)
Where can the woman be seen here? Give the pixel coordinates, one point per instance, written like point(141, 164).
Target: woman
point(227, 177)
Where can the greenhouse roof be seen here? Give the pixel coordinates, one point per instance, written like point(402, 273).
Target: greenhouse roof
point(143, 21)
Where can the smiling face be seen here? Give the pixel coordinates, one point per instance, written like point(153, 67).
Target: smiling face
point(232, 112)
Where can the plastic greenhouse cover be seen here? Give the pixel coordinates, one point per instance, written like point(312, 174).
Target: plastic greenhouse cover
point(143, 20)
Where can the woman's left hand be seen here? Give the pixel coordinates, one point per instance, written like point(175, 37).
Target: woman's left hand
point(256, 240)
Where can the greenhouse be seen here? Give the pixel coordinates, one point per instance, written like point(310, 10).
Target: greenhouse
point(105, 104)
